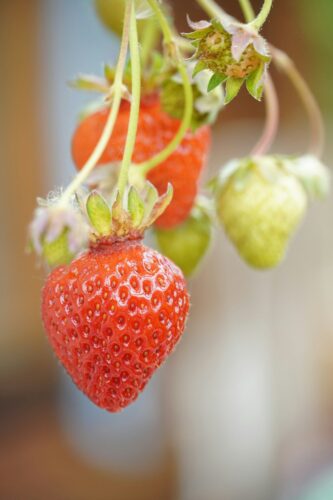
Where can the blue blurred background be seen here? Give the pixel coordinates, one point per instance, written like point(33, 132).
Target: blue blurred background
point(244, 408)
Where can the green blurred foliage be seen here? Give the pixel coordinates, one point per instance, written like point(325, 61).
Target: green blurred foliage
point(316, 19)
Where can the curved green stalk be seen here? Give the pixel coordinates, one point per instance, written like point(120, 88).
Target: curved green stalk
point(149, 40)
point(135, 104)
point(110, 123)
point(271, 100)
point(271, 121)
point(247, 9)
point(188, 95)
point(286, 64)
point(259, 21)
point(212, 9)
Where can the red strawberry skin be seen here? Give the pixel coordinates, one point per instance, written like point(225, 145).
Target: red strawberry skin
point(156, 129)
point(112, 317)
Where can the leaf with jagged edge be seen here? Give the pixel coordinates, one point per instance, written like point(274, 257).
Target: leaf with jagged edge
point(253, 82)
point(99, 213)
point(90, 83)
point(216, 79)
point(161, 204)
point(232, 87)
point(136, 207)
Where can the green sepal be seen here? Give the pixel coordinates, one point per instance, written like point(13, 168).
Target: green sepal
point(200, 66)
point(136, 207)
point(150, 197)
point(216, 79)
point(90, 83)
point(197, 34)
point(232, 88)
point(56, 252)
point(252, 83)
point(99, 213)
point(160, 205)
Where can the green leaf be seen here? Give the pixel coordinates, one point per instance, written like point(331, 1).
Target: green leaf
point(200, 66)
point(233, 86)
point(99, 213)
point(216, 79)
point(253, 85)
point(136, 207)
point(90, 82)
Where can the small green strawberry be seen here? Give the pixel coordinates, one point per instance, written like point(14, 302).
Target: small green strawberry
point(187, 243)
point(112, 14)
point(260, 204)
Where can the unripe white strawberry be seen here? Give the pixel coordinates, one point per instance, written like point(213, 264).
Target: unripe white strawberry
point(260, 204)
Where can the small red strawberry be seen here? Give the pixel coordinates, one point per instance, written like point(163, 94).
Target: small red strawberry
point(116, 312)
point(156, 129)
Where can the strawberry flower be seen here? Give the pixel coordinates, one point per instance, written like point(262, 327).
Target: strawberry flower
point(58, 233)
point(234, 52)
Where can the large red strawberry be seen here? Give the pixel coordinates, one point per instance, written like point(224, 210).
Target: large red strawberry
point(112, 316)
point(156, 129)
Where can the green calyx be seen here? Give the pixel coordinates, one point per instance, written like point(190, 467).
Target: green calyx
point(132, 216)
point(57, 252)
point(187, 244)
point(217, 49)
point(260, 204)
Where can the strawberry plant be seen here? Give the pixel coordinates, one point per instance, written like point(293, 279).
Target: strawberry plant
point(113, 308)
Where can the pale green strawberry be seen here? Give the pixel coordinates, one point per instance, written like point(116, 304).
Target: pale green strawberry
point(187, 243)
point(260, 204)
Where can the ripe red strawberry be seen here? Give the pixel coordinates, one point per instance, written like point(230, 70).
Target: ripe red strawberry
point(113, 316)
point(156, 129)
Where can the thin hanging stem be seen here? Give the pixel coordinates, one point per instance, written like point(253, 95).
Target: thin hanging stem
point(284, 63)
point(247, 9)
point(212, 9)
point(271, 100)
point(259, 21)
point(188, 94)
point(272, 119)
point(135, 104)
point(110, 123)
point(149, 40)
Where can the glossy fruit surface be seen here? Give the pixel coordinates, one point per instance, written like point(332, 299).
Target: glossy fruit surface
point(156, 129)
point(112, 317)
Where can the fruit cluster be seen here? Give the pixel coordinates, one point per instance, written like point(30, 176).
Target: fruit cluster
point(114, 309)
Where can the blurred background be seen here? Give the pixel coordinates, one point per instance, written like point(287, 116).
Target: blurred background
point(244, 409)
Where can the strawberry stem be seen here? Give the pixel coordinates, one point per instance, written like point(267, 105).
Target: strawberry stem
point(272, 119)
point(247, 10)
point(135, 104)
point(285, 63)
point(212, 9)
point(259, 21)
point(271, 100)
point(149, 40)
point(171, 44)
point(110, 123)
